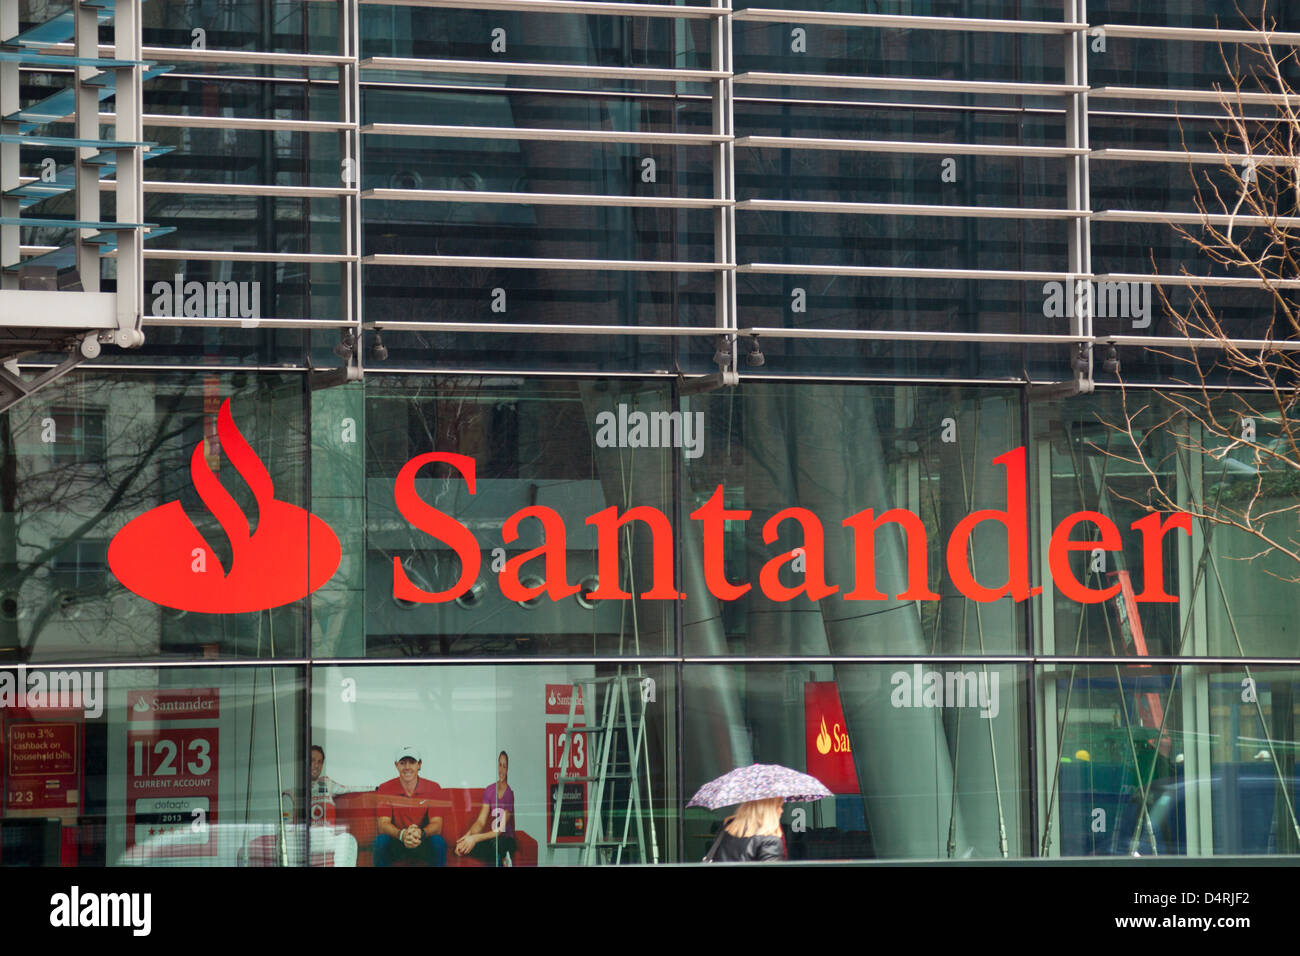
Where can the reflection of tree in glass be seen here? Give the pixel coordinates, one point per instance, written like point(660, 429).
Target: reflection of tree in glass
point(1247, 443)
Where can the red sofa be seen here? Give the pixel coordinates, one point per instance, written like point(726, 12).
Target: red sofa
point(458, 808)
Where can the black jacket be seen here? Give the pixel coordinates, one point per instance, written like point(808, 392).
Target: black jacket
point(755, 849)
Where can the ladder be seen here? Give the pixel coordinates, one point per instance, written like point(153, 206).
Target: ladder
point(618, 769)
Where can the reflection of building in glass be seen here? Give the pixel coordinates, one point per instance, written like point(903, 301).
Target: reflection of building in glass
point(824, 261)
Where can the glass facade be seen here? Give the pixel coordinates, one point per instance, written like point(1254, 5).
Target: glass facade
point(569, 403)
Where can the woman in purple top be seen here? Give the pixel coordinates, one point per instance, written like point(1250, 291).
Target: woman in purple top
point(492, 836)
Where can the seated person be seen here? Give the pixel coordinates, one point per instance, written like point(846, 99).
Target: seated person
point(407, 831)
point(324, 790)
point(492, 836)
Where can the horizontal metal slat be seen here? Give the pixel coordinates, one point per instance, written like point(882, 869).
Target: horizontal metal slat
point(240, 189)
point(539, 199)
point(1138, 31)
point(909, 84)
point(1226, 282)
point(906, 272)
point(222, 255)
point(580, 265)
point(234, 322)
point(189, 55)
point(557, 135)
point(236, 122)
point(1174, 156)
point(576, 71)
point(1226, 97)
point(905, 209)
point(889, 21)
point(537, 328)
point(903, 146)
point(1192, 218)
point(587, 7)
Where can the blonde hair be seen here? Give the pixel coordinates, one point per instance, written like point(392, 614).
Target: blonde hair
point(756, 818)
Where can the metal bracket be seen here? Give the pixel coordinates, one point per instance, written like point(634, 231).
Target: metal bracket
point(727, 378)
point(13, 389)
point(320, 378)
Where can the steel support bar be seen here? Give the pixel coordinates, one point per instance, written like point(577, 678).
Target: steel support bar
point(86, 175)
point(10, 103)
point(1078, 194)
point(129, 108)
point(13, 389)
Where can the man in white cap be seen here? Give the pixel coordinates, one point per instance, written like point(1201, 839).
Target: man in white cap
point(408, 830)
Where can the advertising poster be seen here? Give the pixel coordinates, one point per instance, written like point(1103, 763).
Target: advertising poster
point(42, 767)
point(171, 779)
point(827, 745)
point(573, 812)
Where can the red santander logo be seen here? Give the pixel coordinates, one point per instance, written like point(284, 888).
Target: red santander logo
point(162, 557)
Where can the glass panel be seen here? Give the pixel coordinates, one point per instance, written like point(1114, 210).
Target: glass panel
point(872, 51)
point(522, 37)
point(241, 25)
point(1213, 585)
point(1214, 14)
point(107, 548)
point(794, 463)
point(487, 764)
point(1160, 761)
point(534, 444)
point(171, 767)
point(924, 762)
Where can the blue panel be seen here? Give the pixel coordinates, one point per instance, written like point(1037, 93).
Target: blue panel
point(108, 240)
point(66, 257)
point(69, 141)
point(64, 103)
point(51, 59)
point(69, 223)
point(59, 30)
point(152, 151)
point(65, 180)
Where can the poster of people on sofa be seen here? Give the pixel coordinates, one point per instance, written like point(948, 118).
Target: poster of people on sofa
point(444, 767)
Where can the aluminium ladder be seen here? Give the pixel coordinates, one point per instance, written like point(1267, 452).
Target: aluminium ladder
point(618, 770)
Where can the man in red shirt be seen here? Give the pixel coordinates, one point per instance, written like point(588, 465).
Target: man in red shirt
point(408, 829)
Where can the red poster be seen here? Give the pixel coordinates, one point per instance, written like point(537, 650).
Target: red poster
point(573, 804)
point(203, 703)
point(171, 773)
point(826, 736)
point(43, 766)
point(559, 696)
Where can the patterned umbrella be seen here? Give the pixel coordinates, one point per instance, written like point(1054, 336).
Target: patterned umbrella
point(759, 781)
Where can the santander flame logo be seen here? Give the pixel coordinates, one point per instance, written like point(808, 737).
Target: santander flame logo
point(823, 739)
point(162, 557)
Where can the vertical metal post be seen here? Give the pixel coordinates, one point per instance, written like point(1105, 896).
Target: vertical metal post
point(128, 125)
point(1195, 697)
point(1047, 712)
point(350, 154)
point(724, 178)
point(1077, 187)
point(86, 24)
point(9, 103)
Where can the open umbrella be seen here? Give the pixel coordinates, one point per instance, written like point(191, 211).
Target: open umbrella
point(759, 781)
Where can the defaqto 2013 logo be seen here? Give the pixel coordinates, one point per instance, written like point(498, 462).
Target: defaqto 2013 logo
point(162, 557)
